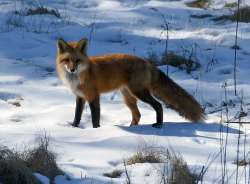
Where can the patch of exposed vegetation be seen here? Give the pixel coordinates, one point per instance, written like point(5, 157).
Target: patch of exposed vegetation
point(40, 159)
point(199, 4)
point(114, 174)
point(202, 16)
point(242, 162)
point(18, 167)
point(146, 155)
point(176, 170)
point(13, 169)
point(186, 63)
point(231, 5)
point(243, 13)
point(181, 62)
point(39, 11)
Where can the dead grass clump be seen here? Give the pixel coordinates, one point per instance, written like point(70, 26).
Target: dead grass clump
point(231, 5)
point(13, 169)
point(153, 58)
point(244, 15)
point(145, 155)
point(180, 62)
point(199, 4)
point(43, 11)
point(242, 162)
point(114, 174)
point(175, 170)
point(202, 16)
point(19, 167)
point(179, 173)
point(42, 160)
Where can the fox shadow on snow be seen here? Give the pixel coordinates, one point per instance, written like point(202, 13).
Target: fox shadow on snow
point(181, 129)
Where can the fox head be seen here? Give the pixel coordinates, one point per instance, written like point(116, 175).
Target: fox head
point(72, 55)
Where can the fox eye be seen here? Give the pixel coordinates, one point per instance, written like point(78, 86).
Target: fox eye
point(65, 60)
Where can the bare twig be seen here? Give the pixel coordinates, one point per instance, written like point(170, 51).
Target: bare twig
point(236, 48)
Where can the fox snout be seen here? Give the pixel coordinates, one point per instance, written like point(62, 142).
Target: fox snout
point(70, 69)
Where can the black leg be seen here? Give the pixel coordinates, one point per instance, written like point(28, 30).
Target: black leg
point(95, 112)
point(78, 111)
point(146, 97)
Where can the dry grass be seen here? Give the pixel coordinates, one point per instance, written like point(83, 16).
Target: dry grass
point(146, 155)
point(114, 174)
point(242, 162)
point(42, 160)
point(231, 5)
point(199, 4)
point(180, 173)
point(13, 169)
point(202, 16)
point(43, 11)
point(180, 62)
point(177, 171)
point(244, 15)
point(19, 167)
point(153, 58)
point(172, 59)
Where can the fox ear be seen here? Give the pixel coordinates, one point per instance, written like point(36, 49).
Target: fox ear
point(62, 46)
point(82, 45)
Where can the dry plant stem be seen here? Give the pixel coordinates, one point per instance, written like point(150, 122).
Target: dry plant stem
point(126, 172)
point(226, 139)
point(235, 48)
point(245, 166)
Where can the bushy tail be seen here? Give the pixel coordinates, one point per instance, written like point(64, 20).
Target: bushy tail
point(176, 97)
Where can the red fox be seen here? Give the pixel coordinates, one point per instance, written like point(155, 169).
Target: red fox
point(136, 78)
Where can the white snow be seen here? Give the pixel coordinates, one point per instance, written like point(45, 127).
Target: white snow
point(28, 76)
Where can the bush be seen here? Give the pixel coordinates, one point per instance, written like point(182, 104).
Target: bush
point(13, 169)
point(41, 160)
point(19, 167)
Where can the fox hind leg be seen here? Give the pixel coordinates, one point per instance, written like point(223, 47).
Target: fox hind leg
point(95, 112)
point(131, 102)
point(145, 96)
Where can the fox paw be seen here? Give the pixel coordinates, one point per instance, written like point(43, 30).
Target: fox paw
point(157, 125)
point(74, 124)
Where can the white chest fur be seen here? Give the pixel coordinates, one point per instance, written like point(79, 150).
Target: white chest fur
point(72, 80)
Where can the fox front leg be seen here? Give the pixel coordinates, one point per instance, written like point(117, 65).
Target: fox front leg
point(80, 102)
point(95, 112)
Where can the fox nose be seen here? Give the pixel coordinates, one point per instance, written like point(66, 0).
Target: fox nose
point(72, 70)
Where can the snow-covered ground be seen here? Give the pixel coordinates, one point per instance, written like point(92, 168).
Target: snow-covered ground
point(28, 78)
